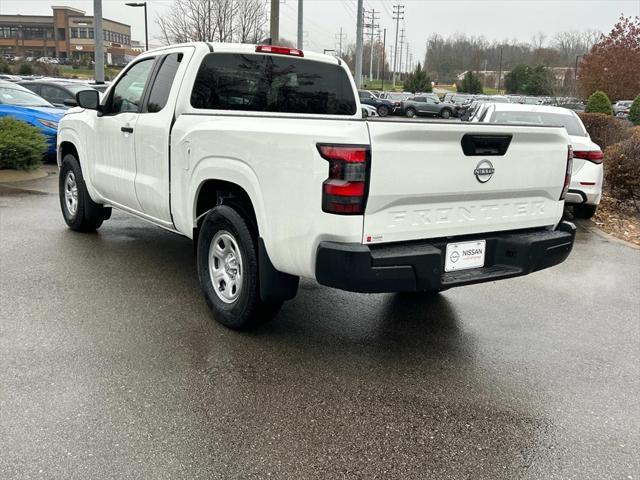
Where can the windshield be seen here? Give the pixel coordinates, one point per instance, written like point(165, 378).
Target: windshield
point(396, 96)
point(572, 125)
point(22, 98)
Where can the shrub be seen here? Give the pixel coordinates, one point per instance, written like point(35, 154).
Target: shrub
point(25, 69)
point(47, 70)
point(622, 168)
point(22, 146)
point(605, 130)
point(634, 111)
point(4, 66)
point(599, 103)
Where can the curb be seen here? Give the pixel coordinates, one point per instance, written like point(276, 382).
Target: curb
point(591, 227)
point(12, 176)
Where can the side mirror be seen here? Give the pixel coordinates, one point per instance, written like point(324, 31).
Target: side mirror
point(88, 99)
point(70, 102)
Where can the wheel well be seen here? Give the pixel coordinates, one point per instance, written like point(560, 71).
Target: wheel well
point(218, 192)
point(68, 147)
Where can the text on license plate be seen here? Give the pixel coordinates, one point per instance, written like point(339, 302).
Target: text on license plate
point(462, 256)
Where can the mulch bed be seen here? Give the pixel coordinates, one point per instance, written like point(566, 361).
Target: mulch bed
point(622, 220)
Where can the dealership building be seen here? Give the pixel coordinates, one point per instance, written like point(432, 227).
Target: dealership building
point(68, 33)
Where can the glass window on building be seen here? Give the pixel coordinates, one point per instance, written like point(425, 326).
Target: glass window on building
point(83, 33)
point(73, 33)
point(91, 33)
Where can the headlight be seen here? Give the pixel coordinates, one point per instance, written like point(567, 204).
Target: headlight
point(48, 123)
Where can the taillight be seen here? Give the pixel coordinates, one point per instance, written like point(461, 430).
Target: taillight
point(594, 156)
point(567, 173)
point(345, 191)
point(279, 50)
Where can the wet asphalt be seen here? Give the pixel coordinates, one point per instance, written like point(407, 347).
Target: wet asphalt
point(112, 367)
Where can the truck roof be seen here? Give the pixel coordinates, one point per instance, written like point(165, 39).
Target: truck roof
point(245, 48)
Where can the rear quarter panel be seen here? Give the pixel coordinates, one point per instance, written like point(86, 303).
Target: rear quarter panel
point(275, 160)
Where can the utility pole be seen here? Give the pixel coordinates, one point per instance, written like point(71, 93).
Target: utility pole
point(384, 52)
point(401, 46)
point(275, 21)
point(372, 27)
point(398, 14)
point(340, 37)
point(99, 38)
point(358, 44)
point(406, 62)
point(300, 24)
point(378, 62)
point(500, 72)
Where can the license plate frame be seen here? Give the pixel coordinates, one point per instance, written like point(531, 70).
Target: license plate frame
point(465, 255)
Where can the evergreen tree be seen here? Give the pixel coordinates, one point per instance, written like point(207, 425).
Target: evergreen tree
point(418, 81)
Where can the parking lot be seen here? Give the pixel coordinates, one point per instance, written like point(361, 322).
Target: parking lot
point(111, 367)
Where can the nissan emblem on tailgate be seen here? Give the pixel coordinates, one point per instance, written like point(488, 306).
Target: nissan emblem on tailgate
point(484, 171)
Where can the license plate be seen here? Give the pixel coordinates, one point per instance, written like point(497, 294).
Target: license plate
point(463, 256)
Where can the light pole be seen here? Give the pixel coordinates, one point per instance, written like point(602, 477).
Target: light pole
point(146, 27)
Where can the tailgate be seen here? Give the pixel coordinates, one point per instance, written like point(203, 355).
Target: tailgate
point(423, 185)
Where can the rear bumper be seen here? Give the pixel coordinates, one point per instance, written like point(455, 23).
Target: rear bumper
point(418, 266)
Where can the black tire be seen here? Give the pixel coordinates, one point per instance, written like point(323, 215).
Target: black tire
point(246, 309)
point(410, 112)
point(383, 110)
point(584, 211)
point(446, 113)
point(84, 215)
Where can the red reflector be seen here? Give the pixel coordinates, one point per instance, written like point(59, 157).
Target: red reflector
point(279, 50)
point(587, 184)
point(344, 189)
point(346, 154)
point(594, 156)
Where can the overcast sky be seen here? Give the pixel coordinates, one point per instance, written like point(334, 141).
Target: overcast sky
point(495, 20)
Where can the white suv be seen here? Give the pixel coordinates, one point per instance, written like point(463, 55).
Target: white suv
point(585, 190)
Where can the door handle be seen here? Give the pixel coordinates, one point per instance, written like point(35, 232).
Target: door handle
point(126, 129)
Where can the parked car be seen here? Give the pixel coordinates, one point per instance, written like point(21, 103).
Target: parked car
point(621, 108)
point(369, 111)
point(585, 190)
point(10, 78)
point(49, 60)
point(448, 97)
point(59, 93)
point(383, 106)
point(206, 150)
point(423, 105)
point(22, 104)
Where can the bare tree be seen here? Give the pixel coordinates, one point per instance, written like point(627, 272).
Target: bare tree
point(538, 40)
point(251, 20)
point(213, 20)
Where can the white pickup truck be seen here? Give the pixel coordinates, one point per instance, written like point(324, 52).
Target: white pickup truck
point(261, 154)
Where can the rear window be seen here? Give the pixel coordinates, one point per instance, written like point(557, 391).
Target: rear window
point(269, 83)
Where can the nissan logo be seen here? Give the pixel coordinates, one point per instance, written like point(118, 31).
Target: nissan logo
point(484, 171)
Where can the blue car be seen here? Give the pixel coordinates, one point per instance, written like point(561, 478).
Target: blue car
point(24, 105)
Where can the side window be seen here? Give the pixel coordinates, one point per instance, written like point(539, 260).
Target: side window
point(34, 88)
point(364, 96)
point(54, 94)
point(163, 82)
point(127, 93)
point(420, 99)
